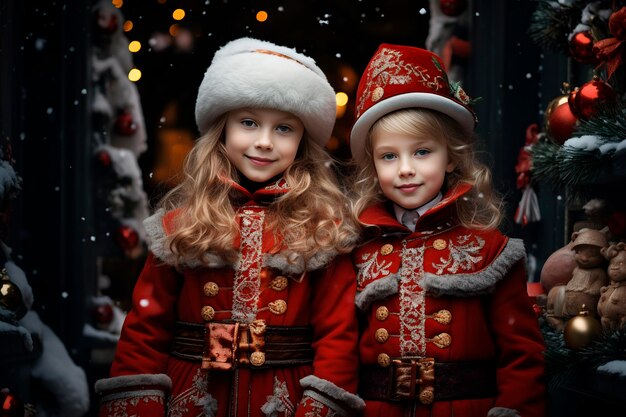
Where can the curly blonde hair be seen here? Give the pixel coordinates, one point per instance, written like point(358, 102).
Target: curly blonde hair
point(481, 208)
point(312, 216)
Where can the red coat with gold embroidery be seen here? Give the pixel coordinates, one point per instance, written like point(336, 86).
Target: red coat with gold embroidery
point(455, 295)
point(147, 380)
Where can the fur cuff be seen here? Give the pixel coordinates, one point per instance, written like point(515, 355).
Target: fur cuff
point(332, 392)
point(377, 290)
point(502, 412)
point(132, 382)
point(477, 283)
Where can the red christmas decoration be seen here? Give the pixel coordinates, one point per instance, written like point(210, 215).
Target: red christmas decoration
point(571, 100)
point(591, 96)
point(124, 124)
point(103, 314)
point(561, 123)
point(524, 159)
point(104, 159)
point(452, 7)
point(617, 224)
point(611, 50)
point(106, 22)
point(127, 238)
point(581, 48)
point(11, 406)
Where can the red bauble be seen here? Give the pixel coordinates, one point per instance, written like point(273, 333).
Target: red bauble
point(127, 238)
point(10, 405)
point(561, 123)
point(124, 124)
point(591, 97)
point(581, 48)
point(104, 159)
point(452, 7)
point(103, 314)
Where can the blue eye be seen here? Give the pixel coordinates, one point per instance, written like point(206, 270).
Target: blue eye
point(248, 123)
point(422, 152)
point(388, 157)
point(284, 129)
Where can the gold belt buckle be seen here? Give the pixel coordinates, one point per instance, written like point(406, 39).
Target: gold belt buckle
point(412, 377)
point(228, 345)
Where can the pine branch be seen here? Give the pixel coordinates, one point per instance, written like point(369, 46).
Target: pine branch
point(610, 124)
point(545, 157)
point(552, 22)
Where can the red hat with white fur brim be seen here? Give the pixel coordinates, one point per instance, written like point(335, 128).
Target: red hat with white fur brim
point(258, 74)
point(401, 77)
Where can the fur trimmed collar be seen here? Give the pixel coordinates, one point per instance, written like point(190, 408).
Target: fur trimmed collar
point(285, 261)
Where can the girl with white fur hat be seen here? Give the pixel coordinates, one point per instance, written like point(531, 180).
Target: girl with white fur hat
point(242, 308)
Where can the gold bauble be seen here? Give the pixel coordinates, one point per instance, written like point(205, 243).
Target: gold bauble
point(553, 104)
point(581, 330)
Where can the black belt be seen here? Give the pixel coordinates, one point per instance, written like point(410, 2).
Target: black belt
point(224, 346)
point(427, 381)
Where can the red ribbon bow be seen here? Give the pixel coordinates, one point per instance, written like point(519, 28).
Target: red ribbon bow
point(611, 50)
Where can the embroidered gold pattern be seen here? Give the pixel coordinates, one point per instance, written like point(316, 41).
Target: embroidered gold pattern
point(370, 268)
point(247, 284)
point(442, 340)
point(412, 302)
point(278, 307)
point(382, 313)
point(439, 244)
point(387, 68)
point(464, 255)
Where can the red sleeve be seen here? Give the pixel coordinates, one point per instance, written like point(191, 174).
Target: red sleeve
point(520, 368)
point(144, 342)
point(335, 338)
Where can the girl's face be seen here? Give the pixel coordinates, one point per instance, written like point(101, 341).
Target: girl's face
point(262, 143)
point(410, 170)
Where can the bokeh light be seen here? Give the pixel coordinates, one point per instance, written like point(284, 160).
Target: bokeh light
point(128, 26)
point(261, 16)
point(134, 46)
point(134, 75)
point(178, 14)
point(342, 98)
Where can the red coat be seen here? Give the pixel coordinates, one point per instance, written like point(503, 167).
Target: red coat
point(455, 295)
point(321, 295)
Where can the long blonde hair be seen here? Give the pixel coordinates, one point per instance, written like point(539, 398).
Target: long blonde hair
point(481, 208)
point(312, 216)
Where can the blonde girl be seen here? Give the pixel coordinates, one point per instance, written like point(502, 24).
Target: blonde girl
point(242, 308)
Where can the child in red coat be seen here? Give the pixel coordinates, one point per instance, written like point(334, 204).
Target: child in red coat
point(240, 309)
point(448, 328)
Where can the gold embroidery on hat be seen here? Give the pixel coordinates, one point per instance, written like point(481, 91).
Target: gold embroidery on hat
point(388, 67)
point(378, 93)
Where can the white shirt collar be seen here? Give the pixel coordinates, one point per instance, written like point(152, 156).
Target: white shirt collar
point(399, 211)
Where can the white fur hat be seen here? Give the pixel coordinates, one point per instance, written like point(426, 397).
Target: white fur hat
point(252, 73)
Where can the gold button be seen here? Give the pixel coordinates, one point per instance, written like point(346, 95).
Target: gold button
point(382, 313)
point(278, 307)
point(443, 317)
point(386, 249)
point(279, 283)
point(211, 289)
point(382, 335)
point(442, 340)
point(439, 244)
point(427, 396)
point(377, 94)
point(384, 360)
point(257, 358)
point(207, 313)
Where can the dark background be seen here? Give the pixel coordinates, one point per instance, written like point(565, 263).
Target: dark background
point(45, 111)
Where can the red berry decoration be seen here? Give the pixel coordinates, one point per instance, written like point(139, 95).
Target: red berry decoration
point(581, 48)
point(124, 124)
point(104, 159)
point(103, 314)
point(561, 123)
point(592, 96)
point(11, 406)
point(127, 238)
point(452, 7)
